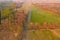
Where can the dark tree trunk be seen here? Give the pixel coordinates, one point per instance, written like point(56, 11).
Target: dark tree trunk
point(0, 16)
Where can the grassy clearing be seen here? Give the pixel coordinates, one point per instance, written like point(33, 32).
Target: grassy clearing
point(39, 15)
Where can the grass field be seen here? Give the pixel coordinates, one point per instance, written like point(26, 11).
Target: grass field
point(39, 15)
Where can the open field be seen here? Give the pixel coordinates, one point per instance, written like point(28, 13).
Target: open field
point(46, 18)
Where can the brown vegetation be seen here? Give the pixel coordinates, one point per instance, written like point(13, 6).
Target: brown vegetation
point(38, 26)
point(13, 27)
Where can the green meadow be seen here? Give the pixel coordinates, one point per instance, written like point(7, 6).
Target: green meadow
point(39, 15)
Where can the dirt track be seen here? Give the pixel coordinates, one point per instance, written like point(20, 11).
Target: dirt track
point(55, 32)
